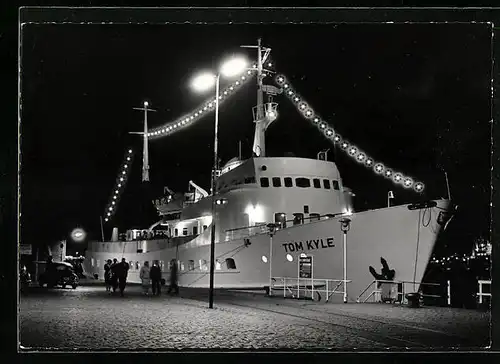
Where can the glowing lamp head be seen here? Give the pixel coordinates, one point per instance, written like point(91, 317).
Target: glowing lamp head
point(234, 67)
point(289, 257)
point(78, 235)
point(203, 82)
point(146, 104)
point(271, 114)
point(264, 259)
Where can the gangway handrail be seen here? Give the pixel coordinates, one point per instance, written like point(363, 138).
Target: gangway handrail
point(315, 284)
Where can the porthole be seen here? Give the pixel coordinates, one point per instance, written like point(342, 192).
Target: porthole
point(289, 257)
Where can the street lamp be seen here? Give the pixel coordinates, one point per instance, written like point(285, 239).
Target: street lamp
point(271, 229)
point(204, 82)
point(345, 224)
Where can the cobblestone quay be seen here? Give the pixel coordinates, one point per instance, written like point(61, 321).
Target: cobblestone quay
point(91, 318)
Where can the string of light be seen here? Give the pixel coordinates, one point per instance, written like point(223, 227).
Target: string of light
point(352, 150)
point(202, 110)
point(121, 180)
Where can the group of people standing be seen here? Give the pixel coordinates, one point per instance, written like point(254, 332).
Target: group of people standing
point(115, 275)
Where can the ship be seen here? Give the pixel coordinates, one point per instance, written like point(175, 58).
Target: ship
point(276, 220)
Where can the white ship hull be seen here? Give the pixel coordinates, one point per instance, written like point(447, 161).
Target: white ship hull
point(404, 238)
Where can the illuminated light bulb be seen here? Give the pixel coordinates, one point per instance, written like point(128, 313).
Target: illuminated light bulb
point(398, 177)
point(361, 157)
point(296, 99)
point(408, 182)
point(130, 151)
point(231, 88)
point(128, 158)
point(388, 173)
point(210, 105)
point(336, 138)
point(302, 106)
point(316, 120)
point(285, 85)
point(249, 72)
point(243, 77)
point(269, 64)
point(322, 125)
point(119, 185)
point(121, 180)
point(379, 168)
point(237, 83)
point(220, 97)
point(345, 145)
point(192, 117)
point(175, 126)
point(110, 209)
point(183, 122)
point(329, 132)
point(419, 186)
point(254, 66)
point(280, 79)
point(114, 197)
point(123, 172)
point(125, 166)
point(109, 214)
point(309, 113)
point(352, 151)
point(195, 114)
point(290, 92)
point(106, 219)
point(369, 161)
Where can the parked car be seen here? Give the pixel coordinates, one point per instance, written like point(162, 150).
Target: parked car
point(59, 274)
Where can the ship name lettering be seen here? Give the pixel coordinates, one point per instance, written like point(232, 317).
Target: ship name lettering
point(314, 244)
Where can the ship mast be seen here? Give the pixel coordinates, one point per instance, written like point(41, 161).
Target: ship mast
point(263, 115)
point(145, 154)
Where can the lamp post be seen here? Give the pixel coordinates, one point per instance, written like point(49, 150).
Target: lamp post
point(345, 224)
point(271, 229)
point(203, 82)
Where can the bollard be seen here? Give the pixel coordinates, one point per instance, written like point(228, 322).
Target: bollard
point(413, 299)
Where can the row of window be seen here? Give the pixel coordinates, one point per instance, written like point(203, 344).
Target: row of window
point(301, 182)
point(191, 266)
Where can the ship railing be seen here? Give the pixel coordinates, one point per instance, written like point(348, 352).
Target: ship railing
point(481, 292)
point(376, 293)
point(308, 288)
point(261, 228)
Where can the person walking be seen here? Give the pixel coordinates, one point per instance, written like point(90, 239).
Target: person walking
point(145, 279)
point(122, 273)
point(155, 275)
point(107, 275)
point(114, 276)
point(173, 277)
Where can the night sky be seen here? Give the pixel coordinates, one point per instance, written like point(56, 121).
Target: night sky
point(415, 97)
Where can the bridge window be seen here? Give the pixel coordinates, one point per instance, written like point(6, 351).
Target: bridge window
point(185, 231)
point(218, 266)
point(276, 182)
point(288, 182)
point(191, 265)
point(203, 264)
point(316, 183)
point(298, 218)
point(314, 216)
point(326, 184)
point(195, 230)
point(230, 263)
point(302, 182)
point(264, 182)
point(306, 209)
point(335, 185)
point(205, 227)
point(249, 180)
point(280, 219)
point(176, 232)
